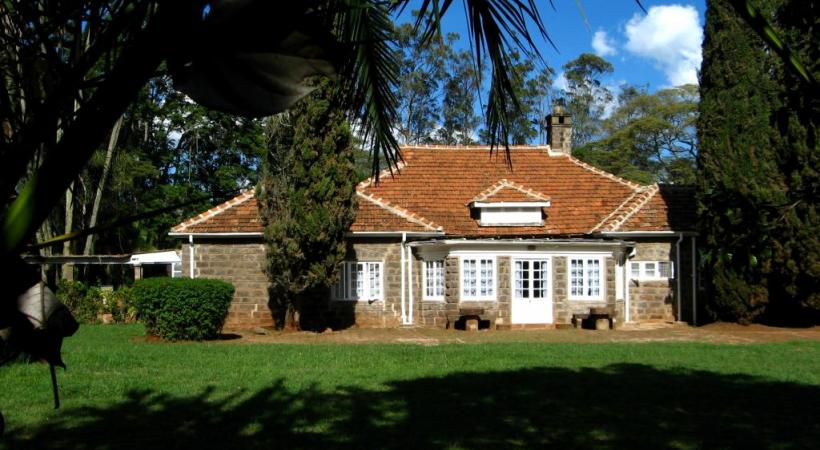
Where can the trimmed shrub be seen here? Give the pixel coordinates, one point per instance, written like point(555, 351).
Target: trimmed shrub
point(84, 303)
point(120, 304)
point(182, 308)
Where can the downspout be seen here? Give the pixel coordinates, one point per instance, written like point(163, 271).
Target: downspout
point(191, 255)
point(403, 308)
point(694, 284)
point(410, 284)
point(677, 272)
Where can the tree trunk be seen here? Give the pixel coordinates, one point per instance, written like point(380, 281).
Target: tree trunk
point(68, 269)
point(95, 209)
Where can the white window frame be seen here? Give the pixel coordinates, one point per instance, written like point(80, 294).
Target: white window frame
point(493, 279)
point(547, 279)
point(642, 272)
point(426, 295)
point(345, 281)
point(602, 281)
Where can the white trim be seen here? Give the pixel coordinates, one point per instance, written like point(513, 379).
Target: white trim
point(410, 284)
point(191, 256)
point(694, 284)
point(403, 276)
point(541, 204)
point(220, 235)
point(601, 274)
point(478, 297)
point(424, 294)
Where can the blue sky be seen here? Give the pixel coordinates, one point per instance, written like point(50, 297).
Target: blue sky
point(658, 49)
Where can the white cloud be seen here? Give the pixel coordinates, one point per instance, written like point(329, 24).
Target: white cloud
point(670, 36)
point(560, 83)
point(602, 44)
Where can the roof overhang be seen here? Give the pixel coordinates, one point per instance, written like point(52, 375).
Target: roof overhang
point(539, 204)
point(77, 259)
point(229, 235)
point(167, 257)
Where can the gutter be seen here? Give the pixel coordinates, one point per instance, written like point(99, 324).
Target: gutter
point(694, 284)
point(191, 255)
point(678, 272)
point(395, 233)
point(403, 307)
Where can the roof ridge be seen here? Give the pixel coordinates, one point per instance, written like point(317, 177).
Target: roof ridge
point(505, 183)
point(641, 198)
point(473, 147)
point(604, 173)
point(215, 211)
point(399, 211)
point(369, 181)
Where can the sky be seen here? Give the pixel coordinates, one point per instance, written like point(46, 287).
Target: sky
point(656, 50)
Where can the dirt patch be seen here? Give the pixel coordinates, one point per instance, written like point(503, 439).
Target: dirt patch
point(715, 333)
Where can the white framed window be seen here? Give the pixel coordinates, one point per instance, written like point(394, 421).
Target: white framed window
point(651, 270)
point(434, 280)
point(359, 280)
point(478, 278)
point(531, 278)
point(586, 278)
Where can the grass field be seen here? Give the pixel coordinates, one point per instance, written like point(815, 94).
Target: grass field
point(121, 392)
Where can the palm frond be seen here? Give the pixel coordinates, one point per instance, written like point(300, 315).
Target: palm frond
point(370, 74)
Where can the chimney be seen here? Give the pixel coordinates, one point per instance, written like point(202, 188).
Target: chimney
point(559, 128)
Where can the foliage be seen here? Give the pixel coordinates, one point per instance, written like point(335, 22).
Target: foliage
point(182, 308)
point(649, 138)
point(120, 304)
point(84, 302)
point(306, 199)
point(758, 177)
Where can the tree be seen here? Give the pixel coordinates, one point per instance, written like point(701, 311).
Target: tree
point(306, 198)
point(649, 137)
point(587, 97)
point(758, 179)
point(460, 85)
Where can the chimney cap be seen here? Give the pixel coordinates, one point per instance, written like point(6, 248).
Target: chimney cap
point(559, 106)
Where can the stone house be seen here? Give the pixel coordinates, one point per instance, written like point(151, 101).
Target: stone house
point(459, 232)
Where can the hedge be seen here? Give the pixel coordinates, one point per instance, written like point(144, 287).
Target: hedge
point(182, 308)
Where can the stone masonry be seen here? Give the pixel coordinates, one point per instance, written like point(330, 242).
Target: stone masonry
point(652, 301)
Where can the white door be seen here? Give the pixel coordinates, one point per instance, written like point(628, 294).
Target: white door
point(531, 291)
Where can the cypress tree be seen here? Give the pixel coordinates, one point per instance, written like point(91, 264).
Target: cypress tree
point(306, 199)
point(758, 180)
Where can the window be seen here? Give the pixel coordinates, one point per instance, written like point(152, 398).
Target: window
point(434, 280)
point(359, 281)
point(530, 278)
point(512, 216)
point(651, 270)
point(478, 278)
point(585, 278)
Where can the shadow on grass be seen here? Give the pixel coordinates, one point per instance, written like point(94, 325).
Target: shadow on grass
point(619, 406)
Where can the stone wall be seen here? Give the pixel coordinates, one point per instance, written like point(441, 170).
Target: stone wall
point(240, 263)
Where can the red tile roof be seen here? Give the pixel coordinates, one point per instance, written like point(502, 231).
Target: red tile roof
point(434, 186)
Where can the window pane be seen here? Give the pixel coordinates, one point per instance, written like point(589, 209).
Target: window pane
point(375, 276)
point(358, 283)
point(576, 277)
point(665, 269)
point(636, 270)
point(519, 278)
point(649, 269)
point(469, 278)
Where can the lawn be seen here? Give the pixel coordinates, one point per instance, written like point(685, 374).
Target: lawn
point(121, 392)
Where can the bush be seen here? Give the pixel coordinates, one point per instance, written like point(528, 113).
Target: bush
point(84, 303)
point(120, 304)
point(182, 308)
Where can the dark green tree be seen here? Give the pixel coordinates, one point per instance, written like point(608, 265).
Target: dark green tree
point(758, 166)
point(649, 137)
point(587, 97)
point(307, 200)
point(459, 121)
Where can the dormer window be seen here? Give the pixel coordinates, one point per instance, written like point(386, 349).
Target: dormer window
point(508, 204)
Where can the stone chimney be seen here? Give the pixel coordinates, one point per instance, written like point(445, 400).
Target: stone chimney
point(559, 128)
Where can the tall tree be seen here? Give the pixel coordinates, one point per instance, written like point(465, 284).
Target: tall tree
point(649, 137)
point(587, 97)
point(758, 166)
point(307, 198)
point(459, 121)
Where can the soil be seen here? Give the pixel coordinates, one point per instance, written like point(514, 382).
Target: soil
point(713, 333)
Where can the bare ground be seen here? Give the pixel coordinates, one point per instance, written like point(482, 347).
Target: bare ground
point(713, 333)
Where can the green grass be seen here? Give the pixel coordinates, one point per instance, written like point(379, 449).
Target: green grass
point(121, 392)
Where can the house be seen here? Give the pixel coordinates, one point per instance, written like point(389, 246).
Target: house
point(458, 231)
